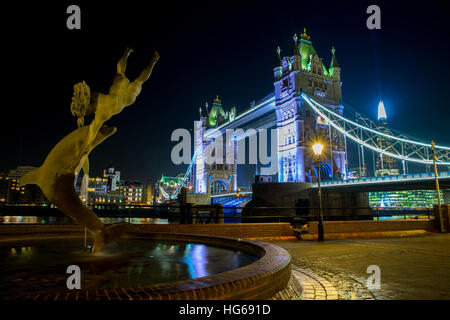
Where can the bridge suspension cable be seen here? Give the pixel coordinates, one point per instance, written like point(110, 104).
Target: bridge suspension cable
point(396, 145)
point(174, 195)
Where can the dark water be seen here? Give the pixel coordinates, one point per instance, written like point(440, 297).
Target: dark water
point(32, 266)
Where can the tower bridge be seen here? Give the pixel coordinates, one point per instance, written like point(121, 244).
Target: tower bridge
point(305, 106)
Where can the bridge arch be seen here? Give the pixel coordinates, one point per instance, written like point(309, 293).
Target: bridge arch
point(218, 186)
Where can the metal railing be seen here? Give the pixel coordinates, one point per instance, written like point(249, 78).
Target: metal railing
point(196, 214)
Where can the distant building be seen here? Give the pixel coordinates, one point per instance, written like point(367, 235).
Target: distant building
point(405, 199)
point(29, 194)
point(113, 177)
point(132, 192)
point(110, 189)
point(97, 190)
point(356, 173)
point(150, 193)
point(4, 186)
point(384, 165)
point(446, 193)
point(20, 171)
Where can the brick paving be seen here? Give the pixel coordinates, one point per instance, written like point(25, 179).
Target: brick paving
point(411, 268)
point(306, 285)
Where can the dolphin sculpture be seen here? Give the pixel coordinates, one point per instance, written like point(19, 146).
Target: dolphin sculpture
point(56, 176)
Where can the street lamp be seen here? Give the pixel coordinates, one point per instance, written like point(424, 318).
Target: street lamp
point(437, 185)
point(317, 148)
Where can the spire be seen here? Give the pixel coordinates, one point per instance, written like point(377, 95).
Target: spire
point(295, 51)
point(381, 112)
point(334, 62)
point(204, 112)
point(278, 63)
point(217, 114)
point(305, 49)
point(304, 36)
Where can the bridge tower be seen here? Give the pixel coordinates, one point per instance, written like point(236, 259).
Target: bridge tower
point(212, 172)
point(298, 126)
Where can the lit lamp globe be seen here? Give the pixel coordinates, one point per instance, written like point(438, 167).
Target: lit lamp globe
point(317, 147)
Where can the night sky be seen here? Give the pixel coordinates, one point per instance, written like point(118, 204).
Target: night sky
point(208, 49)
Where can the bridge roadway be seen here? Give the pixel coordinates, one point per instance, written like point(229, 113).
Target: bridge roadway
point(260, 116)
point(412, 181)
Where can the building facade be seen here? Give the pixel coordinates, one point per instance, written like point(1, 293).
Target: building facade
point(30, 194)
point(298, 127)
point(132, 192)
point(404, 199)
point(110, 189)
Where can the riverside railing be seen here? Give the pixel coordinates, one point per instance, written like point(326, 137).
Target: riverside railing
point(199, 214)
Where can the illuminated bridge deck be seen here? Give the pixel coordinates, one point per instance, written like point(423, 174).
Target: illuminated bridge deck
point(412, 181)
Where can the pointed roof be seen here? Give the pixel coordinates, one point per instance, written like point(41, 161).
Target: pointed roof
point(306, 49)
point(334, 62)
point(278, 61)
point(381, 112)
point(204, 111)
point(295, 51)
point(304, 36)
point(217, 114)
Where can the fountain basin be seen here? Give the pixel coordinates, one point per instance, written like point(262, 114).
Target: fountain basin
point(257, 278)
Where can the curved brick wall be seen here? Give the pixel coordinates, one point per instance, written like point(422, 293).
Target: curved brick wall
point(259, 280)
point(236, 230)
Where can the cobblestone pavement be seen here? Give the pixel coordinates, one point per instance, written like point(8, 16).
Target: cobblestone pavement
point(411, 268)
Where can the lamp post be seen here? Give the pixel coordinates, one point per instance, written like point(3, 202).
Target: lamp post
point(317, 148)
point(437, 185)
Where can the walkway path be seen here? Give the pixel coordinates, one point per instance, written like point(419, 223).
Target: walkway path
point(411, 268)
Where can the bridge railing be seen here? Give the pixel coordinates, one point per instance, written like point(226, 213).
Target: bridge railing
point(401, 177)
point(199, 214)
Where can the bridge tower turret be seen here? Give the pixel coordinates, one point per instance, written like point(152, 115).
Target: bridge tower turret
point(212, 172)
point(200, 126)
point(297, 124)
